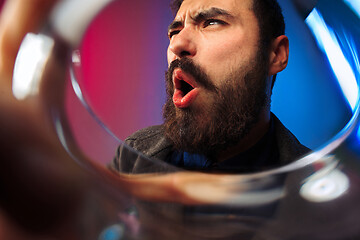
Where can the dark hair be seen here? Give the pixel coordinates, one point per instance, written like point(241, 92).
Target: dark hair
point(268, 13)
point(270, 19)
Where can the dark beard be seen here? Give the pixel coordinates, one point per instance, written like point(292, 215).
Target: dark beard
point(235, 111)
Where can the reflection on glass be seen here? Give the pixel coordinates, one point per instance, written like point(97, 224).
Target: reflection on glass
point(354, 5)
point(328, 43)
point(30, 60)
point(327, 184)
point(316, 197)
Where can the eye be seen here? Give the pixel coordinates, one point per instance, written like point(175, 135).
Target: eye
point(210, 22)
point(172, 33)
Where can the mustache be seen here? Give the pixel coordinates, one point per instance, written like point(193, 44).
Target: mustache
point(188, 66)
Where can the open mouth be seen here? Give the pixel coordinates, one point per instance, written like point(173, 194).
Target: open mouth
point(185, 87)
point(185, 90)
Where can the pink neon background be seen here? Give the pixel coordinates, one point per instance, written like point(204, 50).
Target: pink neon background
point(123, 57)
point(124, 63)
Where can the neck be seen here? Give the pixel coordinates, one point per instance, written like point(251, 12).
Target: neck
point(255, 134)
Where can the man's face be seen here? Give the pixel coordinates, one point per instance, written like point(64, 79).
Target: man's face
point(216, 82)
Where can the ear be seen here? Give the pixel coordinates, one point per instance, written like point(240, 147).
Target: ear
point(279, 55)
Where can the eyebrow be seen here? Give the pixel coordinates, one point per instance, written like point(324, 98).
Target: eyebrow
point(200, 16)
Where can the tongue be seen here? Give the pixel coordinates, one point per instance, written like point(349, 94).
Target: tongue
point(183, 101)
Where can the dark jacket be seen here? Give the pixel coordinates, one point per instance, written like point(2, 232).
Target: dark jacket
point(150, 142)
point(178, 222)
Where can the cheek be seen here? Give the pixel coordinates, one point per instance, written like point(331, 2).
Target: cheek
point(224, 58)
point(170, 56)
point(227, 51)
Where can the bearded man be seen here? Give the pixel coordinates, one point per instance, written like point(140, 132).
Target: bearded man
point(223, 59)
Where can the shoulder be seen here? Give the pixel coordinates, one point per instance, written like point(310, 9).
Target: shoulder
point(146, 133)
point(290, 148)
point(150, 141)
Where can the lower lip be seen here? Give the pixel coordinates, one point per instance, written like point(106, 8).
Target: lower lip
point(182, 101)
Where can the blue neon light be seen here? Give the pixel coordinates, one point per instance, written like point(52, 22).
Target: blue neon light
point(328, 43)
point(354, 5)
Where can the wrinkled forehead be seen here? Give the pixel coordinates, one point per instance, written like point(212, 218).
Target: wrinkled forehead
point(193, 7)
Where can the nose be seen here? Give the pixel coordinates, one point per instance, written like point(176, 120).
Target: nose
point(183, 44)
